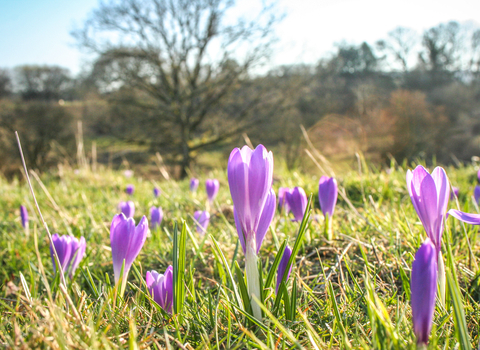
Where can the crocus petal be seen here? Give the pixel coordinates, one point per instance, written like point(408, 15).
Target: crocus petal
point(24, 216)
point(266, 218)
point(476, 193)
point(423, 285)
point(327, 194)
point(160, 287)
point(212, 186)
point(468, 218)
point(241, 235)
point(283, 266)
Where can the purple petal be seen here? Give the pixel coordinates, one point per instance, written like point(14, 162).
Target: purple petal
point(327, 194)
point(24, 216)
point(468, 218)
point(241, 236)
point(476, 193)
point(266, 218)
point(283, 266)
point(212, 186)
point(297, 201)
point(423, 285)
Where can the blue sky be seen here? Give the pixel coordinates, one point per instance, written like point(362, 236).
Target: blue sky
point(37, 31)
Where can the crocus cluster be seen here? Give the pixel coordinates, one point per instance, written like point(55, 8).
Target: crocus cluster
point(202, 219)
point(250, 175)
point(70, 252)
point(160, 288)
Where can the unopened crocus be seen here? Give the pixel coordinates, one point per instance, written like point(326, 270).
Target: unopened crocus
point(476, 194)
point(423, 286)
point(327, 195)
point(160, 287)
point(212, 186)
point(24, 216)
point(126, 241)
point(297, 202)
point(202, 219)
point(156, 192)
point(250, 175)
point(430, 195)
point(282, 199)
point(70, 252)
point(283, 266)
point(156, 216)
point(194, 184)
point(130, 189)
point(127, 208)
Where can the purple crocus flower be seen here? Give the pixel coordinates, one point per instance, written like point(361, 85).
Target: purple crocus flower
point(160, 288)
point(327, 195)
point(126, 241)
point(70, 252)
point(194, 184)
point(454, 193)
point(283, 266)
point(212, 186)
point(250, 175)
point(156, 216)
point(130, 189)
point(430, 195)
point(24, 216)
point(202, 219)
point(297, 201)
point(423, 286)
point(476, 194)
point(156, 192)
point(282, 199)
point(127, 208)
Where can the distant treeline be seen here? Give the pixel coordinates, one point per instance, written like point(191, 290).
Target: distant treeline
point(406, 96)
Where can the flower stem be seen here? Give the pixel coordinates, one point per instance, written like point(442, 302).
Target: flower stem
point(253, 282)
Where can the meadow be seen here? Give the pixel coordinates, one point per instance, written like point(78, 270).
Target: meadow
point(348, 292)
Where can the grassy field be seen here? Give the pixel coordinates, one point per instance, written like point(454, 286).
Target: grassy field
point(350, 292)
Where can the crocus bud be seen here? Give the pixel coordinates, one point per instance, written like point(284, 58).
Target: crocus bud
point(202, 219)
point(283, 266)
point(156, 216)
point(423, 286)
point(454, 193)
point(327, 195)
point(194, 184)
point(282, 199)
point(126, 241)
point(130, 189)
point(24, 216)
point(127, 208)
point(430, 195)
point(250, 175)
point(156, 192)
point(297, 201)
point(476, 193)
point(212, 186)
point(160, 288)
point(70, 252)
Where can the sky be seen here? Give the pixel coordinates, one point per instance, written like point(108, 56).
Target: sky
point(38, 31)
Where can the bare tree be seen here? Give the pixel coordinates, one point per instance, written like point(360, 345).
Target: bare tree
point(187, 56)
point(42, 82)
point(399, 44)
